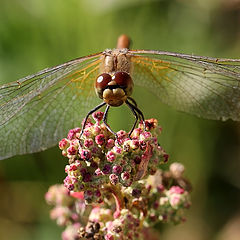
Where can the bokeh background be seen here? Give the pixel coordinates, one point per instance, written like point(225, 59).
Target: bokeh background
point(35, 34)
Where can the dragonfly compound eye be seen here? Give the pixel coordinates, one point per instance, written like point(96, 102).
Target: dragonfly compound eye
point(101, 83)
point(122, 79)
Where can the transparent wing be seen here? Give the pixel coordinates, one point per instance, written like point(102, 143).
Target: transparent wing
point(206, 87)
point(37, 111)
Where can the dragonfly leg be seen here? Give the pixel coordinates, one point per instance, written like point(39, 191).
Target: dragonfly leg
point(136, 117)
point(105, 121)
point(133, 101)
point(140, 114)
point(134, 106)
point(89, 113)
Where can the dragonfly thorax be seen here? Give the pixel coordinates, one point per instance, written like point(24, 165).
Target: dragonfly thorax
point(114, 89)
point(116, 60)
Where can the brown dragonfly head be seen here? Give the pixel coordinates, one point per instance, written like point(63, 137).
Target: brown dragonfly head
point(114, 89)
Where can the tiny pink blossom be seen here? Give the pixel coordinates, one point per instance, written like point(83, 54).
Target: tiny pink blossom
point(136, 132)
point(96, 129)
point(160, 188)
point(145, 135)
point(142, 145)
point(97, 116)
point(63, 144)
point(100, 139)
point(72, 150)
point(88, 193)
point(122, 134)
point(110, 143)
point(88, 143)
point(98, 193)
point(117, 169)
point(88, 123)
point(113, 179)
point(72, 168)
point(94, 215)
point(72, 133)
point(134, 144)
point(87, 177)
point(74, 142)
point(137, 159)
point(150, 124)
point(71, 232)
point(64, 153)
point(94, 150)
point(117, 150)
point(175, 200)
point(109, 236)
point(66, 168)
point(106, 169)
point(166, 157)
point(163, 201)
point(85, 154)
point(87, 133)
point(125, 175)
point(176, 189)
point(111, 156)
point(98, 172)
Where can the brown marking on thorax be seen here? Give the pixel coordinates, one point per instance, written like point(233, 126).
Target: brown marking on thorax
point(116, 60)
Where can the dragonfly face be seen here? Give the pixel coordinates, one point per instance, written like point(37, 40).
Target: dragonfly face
point(114, 89)
point(38, 110)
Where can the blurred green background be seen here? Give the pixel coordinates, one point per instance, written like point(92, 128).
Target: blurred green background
point(35, 34)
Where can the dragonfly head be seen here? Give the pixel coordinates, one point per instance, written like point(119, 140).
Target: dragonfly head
point(114, 89)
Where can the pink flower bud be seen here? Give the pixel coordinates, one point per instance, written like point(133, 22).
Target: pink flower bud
point(72, 150)
point(113, 179)
point(110, 156)
point(151, 124)
point(122, 134)
point(106, 169)
point(134, 144)
point(145, 136)
point(97, 116)
point(125, 176)
point(176, 189)
point(72, 133)
point(98, 172)
point(63, 144)
point(117, 150)
point(72, 168)
point(96, 130)
point(175, 200)
point(165, 157)
point(117, 169)
point(100, 139)
point(136, 132)
point(88, 143)
point(110, 143)
point(85, 154)
point(109, 236)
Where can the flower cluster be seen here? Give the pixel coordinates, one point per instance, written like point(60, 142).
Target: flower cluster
point(66, 206)
point(97, 158)
point(115, 188)
point(166, 205)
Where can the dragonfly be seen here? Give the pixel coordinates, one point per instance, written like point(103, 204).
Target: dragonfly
point(38, 110)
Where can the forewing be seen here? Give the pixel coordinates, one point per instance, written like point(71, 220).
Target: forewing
point(37, 111)
point(206, 87)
